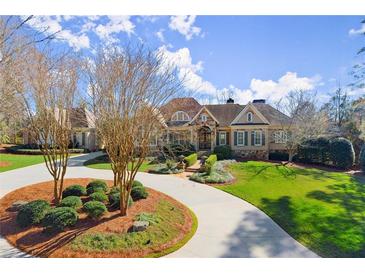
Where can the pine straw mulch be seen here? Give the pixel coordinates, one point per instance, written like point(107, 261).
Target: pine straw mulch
point(37, 243)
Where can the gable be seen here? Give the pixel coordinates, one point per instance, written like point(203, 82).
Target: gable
point(198, 118)
point(256, 115)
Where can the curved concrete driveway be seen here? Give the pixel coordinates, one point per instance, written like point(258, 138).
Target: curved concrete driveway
point(228, 226)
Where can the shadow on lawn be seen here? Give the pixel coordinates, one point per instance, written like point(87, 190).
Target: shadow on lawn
point(258, 236)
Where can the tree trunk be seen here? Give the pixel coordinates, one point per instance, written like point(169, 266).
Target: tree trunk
point(123, 205)
point(55, 191)
point(291, 155)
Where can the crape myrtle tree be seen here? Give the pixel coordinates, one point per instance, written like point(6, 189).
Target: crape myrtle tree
point(49, 93)
point(304, 121)
point(127, 86)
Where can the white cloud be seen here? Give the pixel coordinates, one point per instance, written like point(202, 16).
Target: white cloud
point(52, 25)
point(115, 25)
point(160, 36)
point(187, 70)
point(185, 25)
point(357, 31)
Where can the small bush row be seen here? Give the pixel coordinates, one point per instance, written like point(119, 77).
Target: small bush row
point(191, 159)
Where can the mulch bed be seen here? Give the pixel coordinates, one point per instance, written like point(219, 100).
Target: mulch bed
point(37, 243)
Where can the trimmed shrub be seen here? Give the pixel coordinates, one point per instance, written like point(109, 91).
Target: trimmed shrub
point(71, 201)
point(96, 185)
point(362, 158)
point(138, 193)
point(314, 151)
point(136, 183)
point(278, 156)
point(59, 218)
point(114, 189)
point(74, 190)
point(99, 196)
point(114, 200)
point(32, 213)
point(342, 153)
point(209, 163)
point(223, 152)
point(191, 159)
point(95, 209)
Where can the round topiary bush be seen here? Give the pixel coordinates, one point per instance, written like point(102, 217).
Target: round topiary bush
point(95, 209)
point(96, 185)
point(99, 196)
point(32, 213)
point(139, 193)
point(74, 190)
point(136, 183)
point(114, 189)
point(342, 153)
point(114, 200)
point(71, 201)
point(223, 152)
point(59, 218)
point(362, 158)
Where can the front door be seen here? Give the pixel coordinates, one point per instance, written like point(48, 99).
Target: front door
point(205, 138)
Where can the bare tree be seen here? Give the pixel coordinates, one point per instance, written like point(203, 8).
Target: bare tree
point(127, 88)
point(51, 83)
point(304, 122)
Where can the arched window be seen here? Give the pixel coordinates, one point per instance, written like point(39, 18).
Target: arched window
point(180, 116)
point(249, 117)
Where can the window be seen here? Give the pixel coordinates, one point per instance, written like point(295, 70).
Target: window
point(280, 137)
point(257, 138)
point(204, 117)
point(249, 117)
point(83, 139)
point(180, 116)
point(240, 138)
point(222, 138)
point(153, 140)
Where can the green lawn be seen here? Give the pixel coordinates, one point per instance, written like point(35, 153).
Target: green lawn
point(102, 162)
point(13, 161)
point(323, 210)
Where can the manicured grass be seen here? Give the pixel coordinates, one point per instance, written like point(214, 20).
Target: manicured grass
point(13, 161)
point(163, 228)
point(102, 162)
point(323, 210)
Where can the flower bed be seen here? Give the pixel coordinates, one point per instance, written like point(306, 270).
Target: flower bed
point(217, 175)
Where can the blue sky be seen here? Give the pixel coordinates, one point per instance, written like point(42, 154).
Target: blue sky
point(252, 56)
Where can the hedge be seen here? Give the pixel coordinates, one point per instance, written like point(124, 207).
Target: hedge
point(95, 186)
point(32, 213)
point(278, 156)
point(223, 152)
point(209, 163)
point(342, 153)
point(191, 159)
point(138, 193)
point(362, 158)
point(71, 201)
point(26, 149)
point(59, 218)
point(95, 209)
point(99, 196)
point(74, 190)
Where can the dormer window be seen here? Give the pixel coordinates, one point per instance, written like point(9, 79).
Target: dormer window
point(180, 116)
point(204, 117)
point(249, 117)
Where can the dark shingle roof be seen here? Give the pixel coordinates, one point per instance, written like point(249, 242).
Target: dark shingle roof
point(225, 113)
point(274, 116)
point(81, 118)
point(187, 104)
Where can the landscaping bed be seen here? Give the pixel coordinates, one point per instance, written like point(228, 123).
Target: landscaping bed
point(216, 175)
point(171, 225)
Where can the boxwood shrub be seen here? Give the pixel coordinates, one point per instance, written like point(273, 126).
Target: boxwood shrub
point(136, 183)
point(60, 217)
point(95, 209)
point(99, 196)
point(223, 152)
point(342, 153)
point(74, 190)
point(209, 163)
point(96, 185)
point(114, 200)
point(32, 213)
point(71, 201)
point(362, 158)
point(191, 159)
point(138, 193)
point(278, 156)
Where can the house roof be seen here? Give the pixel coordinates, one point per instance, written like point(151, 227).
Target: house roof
point(81, 118)
point(274, 116)
point(225, 113)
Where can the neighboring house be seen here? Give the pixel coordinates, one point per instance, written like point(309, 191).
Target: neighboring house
point(83, 130)
point(251, 130)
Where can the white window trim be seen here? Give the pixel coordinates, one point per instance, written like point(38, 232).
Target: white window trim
point(249, 114)
point(225, 138)
point(280, 137)
point(175, 116)
point(204, 118)
point(243, 138)
point(257, 144)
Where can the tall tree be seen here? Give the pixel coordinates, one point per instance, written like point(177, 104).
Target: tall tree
point(127, 88)
point(358, 70)
point(49, 94)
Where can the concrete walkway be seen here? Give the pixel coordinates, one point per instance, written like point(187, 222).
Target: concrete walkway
point(228, 226)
